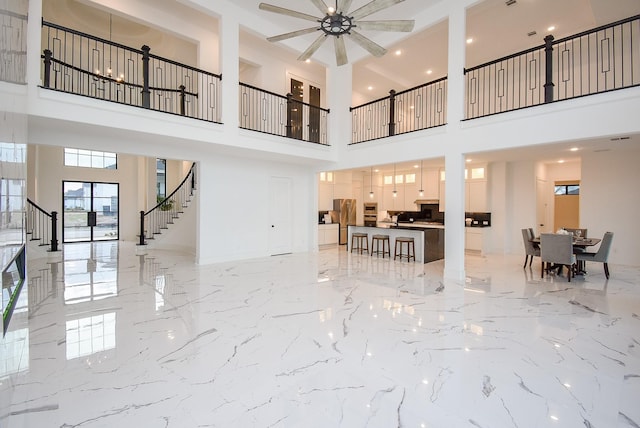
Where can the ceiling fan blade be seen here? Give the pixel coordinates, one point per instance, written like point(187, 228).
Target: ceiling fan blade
point(368, 44)
point(321, 5)
point(372, 7)
point(341, 50)
point(286, 36)
point(288, 12)
point(344, 6)
point(399, 25)
point(314, 47)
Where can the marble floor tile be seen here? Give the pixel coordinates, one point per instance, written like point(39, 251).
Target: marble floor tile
point(107, 336)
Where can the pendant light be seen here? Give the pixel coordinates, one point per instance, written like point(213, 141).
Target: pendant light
point(109, 71)
point(120, 77)
point(421, 188)
point(371, 184)
point(395, 193)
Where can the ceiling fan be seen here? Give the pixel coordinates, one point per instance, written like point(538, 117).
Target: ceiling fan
point(337, 22)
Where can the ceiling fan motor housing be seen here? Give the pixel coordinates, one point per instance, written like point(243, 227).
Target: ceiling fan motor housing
point(336, 24)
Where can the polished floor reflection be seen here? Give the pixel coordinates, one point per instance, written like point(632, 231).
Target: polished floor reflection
point(105, 337)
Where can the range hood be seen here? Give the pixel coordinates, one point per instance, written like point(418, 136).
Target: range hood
point(426, 201)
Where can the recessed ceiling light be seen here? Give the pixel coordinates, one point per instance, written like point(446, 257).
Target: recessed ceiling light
point(468, 160)
point(308, 60)
point(470, 40)
point(398, 52)
point(429, 71)
point(551, 28)
point(370, 88)
point(574, 149)
point(561, 161)
point(416, 166)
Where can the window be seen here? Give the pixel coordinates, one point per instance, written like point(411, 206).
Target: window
point(410, 178)
point(326, 176)
point(477, 173)
point(399, 179)
point(161, 178)
point(89, 159)
point(388, 179)
point(567, 189)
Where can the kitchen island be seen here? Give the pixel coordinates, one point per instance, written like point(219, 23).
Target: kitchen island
point(433, 238)
point(429, 241)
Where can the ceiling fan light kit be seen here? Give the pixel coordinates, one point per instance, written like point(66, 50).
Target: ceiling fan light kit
point(338, 23)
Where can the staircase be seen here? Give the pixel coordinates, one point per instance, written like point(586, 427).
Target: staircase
point(158, 218)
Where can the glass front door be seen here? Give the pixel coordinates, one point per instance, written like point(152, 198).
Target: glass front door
point(90, 211)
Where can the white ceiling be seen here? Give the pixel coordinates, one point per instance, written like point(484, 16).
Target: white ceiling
point(497, 29)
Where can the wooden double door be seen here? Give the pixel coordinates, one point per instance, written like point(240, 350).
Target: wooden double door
point(301, 116)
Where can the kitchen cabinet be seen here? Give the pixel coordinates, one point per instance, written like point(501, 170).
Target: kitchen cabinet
point(430, 184)
point(328, 234)
point(389, 202)
point(410, 195)
point(475, 195)
point(475, 239)
point(325, 196)
point(343, 185)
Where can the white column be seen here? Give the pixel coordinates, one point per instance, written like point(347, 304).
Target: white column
point(456, 63)
point(454, 216)
point(339, 84)
point(454, 158)
point(230, 52)
point(34, 45)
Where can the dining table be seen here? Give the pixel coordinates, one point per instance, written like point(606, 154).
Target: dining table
point(578, 243)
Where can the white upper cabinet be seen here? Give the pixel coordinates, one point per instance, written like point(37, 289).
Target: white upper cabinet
point(475, 189)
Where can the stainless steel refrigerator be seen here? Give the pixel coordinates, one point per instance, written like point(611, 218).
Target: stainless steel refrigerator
point(344, 213)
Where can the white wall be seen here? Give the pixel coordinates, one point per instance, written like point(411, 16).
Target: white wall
point(234, 207)
point(610, 201)
point(560, 172)
point(498, 186)
point(520, 203)
point(272, 66)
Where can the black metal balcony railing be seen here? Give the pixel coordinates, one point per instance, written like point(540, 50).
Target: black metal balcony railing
point(271, 113)
point(13, 46)
point(411, 110)
point(82, 64)
point(599, 60)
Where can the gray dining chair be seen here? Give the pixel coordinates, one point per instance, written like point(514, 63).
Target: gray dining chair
point(530, 249)
point(557, 249)
point(602, 255)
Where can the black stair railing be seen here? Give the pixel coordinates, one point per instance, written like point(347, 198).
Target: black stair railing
point(42, 226)
point(167, 210)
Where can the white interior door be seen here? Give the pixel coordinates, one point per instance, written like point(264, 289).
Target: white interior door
point(280, 216)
